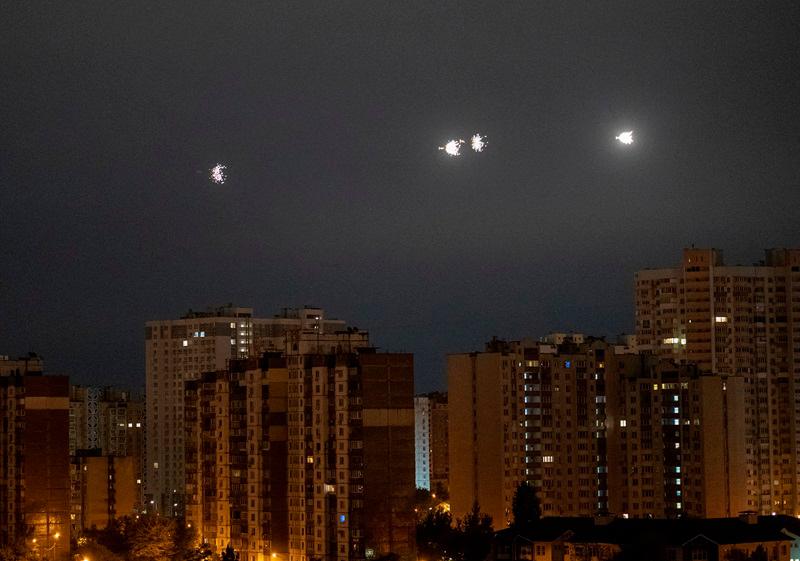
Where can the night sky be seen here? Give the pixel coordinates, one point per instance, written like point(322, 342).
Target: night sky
point(329, 114)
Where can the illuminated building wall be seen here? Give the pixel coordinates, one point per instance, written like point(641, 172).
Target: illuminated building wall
point(107, 489)
point(351, 455)
point(45, 463)
point(180, 350)
point(604, 430)
point(236, 457)
point(430, 429)
point(564, 412)
point(111, 422)
point(676, 440)
point(736, 320)
point(422, 441)
point(487, 436)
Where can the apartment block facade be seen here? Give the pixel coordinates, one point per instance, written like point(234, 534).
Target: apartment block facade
point(431, 438)
point(745, 321)
point(181, 350)
point(236, 457)
point(487, 432)
point(34, 458)
point(109, 423)
point(601, 429)
point(351, 455)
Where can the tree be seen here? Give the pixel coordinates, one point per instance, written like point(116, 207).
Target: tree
point(152, 538)
point(435, 536)
point(16, 552)
point(525, 509)
point(476, 535)
point(230, 554)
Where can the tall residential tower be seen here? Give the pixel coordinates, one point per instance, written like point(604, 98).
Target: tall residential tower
point(180, 350)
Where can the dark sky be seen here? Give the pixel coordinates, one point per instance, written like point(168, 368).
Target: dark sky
point(329, 115)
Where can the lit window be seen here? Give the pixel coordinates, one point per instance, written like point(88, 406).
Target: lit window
point(342, 518)
point(671, 341)
point(138, 425)
point(568, 364)
point(721, 319)
point(309, 459)
point(623, 422)
point(130, 425)
point(185, 343)
point(547, 459)
point(138, 481)
point(155, 465)
point(233, 325)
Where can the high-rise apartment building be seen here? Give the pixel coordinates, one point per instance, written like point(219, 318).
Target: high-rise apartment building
point(351, 455)
point(601, 429)
point(422, 442)
point(236, 457)
point(487, 432)
point(305, 456)
point(180, 350)
point(676, 440)
point(34, 458)
point(109, 423)
point(738, 320)
point(431, 438)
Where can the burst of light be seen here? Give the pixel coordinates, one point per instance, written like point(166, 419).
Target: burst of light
point(217, 174)
point(625, 137)
point(477, 142)
point(453, 147)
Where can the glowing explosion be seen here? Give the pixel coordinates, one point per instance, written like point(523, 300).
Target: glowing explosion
point(477, 142)
point(217, 174)
point(625, 137)
point(453, 147)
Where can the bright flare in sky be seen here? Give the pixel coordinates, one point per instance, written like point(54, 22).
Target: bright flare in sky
point(217, 174)
point(477, 142)
point(453, 147)
point(625, 137)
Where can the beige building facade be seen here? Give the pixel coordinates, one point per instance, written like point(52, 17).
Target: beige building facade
point(745, 321)
point(180, 350)
point(599, 429)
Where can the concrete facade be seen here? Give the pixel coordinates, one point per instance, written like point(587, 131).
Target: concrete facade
point(735, 320)
point(180, 350)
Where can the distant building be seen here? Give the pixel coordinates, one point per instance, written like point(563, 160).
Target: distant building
point(34, 457)
point(108, 422)
point(431, 438)
point(106, 487)
point(180, 350)
point(422, 442)
point(744, 321)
